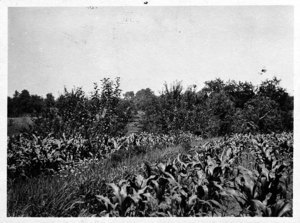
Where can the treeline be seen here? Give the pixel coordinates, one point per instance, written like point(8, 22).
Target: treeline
point(219, 108)
point(75, 114)
point(22, 104)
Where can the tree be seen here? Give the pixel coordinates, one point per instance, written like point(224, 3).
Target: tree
point(49, 101)
point(129, 95)
point(36, 105)
point(240, 92)
point(10, 107)
point(213, 86)
point(261, 114)
point(24, 104)
point(221, 110)
point(103, 113)
point(144, 98)
point(271, 89)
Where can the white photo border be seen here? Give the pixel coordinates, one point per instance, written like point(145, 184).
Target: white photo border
point(4, 5)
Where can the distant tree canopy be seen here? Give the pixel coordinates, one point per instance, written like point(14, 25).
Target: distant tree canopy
point(219, 108)
point(144, 99)
point(129, 95)
point(24, 104)
point(103, 112)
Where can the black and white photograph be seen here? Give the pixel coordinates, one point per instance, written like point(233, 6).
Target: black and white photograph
point(149, 110)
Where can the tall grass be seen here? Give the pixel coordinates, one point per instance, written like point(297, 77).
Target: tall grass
point(62, 195)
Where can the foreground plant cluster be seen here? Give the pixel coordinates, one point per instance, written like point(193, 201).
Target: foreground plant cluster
point(31, 156)
point(242, 175)
point(205, 181)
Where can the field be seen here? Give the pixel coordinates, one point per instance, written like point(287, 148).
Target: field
point(160, 175)
point(151, 111)
point(226, 150)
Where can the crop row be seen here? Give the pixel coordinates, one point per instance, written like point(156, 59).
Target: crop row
point(30, 155)
point(206, 181)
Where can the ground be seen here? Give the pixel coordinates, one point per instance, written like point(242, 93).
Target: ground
point(135, 125)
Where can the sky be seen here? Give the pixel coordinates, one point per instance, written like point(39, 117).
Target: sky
point(50, 48)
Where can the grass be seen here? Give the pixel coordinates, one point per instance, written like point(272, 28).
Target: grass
point(135, 125)
point(43, 196)
point(61, 195)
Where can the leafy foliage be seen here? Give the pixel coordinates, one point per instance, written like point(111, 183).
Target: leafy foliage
point(251, 170)
point(220, 108)
point(24, 104)
point(198, 184)
point(31, 156)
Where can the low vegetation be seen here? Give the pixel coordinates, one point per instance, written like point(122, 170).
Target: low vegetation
point(251, 174)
